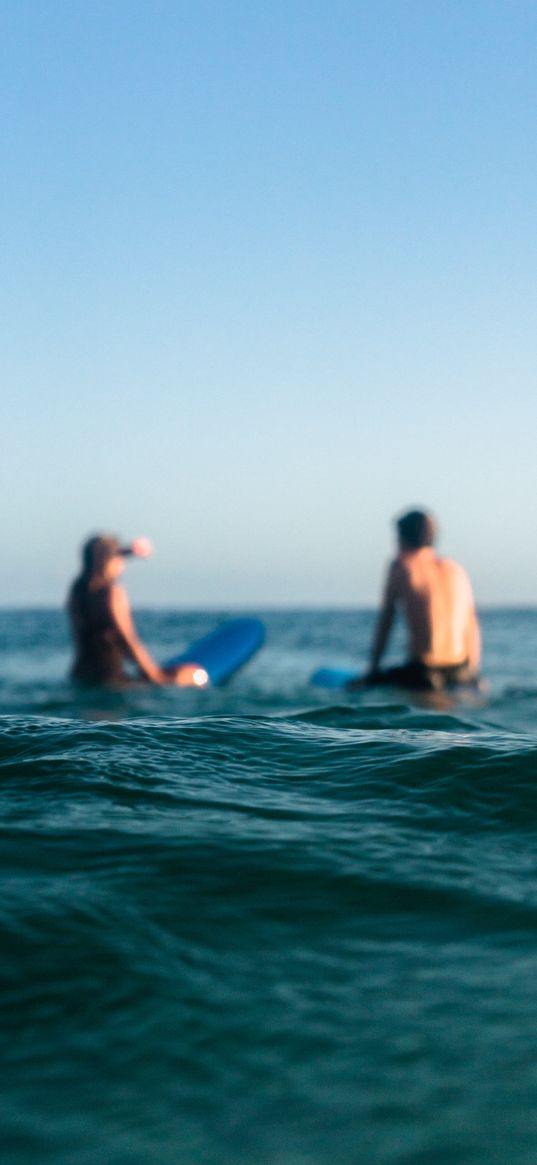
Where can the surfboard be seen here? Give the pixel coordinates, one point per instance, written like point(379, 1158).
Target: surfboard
point(332, 677)
point(213, 659)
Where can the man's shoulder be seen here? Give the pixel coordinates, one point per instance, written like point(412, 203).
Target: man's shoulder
point(398, 572)
point(451, 565)
point(455, 571)
point(397, 563)
point(400, 567)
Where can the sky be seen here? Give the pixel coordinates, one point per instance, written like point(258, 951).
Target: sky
point(268, 280)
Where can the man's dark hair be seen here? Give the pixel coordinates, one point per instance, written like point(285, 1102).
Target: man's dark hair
point(416, 529)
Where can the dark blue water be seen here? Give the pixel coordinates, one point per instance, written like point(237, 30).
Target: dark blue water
point(250, 925)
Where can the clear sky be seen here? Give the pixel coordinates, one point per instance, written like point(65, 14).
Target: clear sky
point(268, 277)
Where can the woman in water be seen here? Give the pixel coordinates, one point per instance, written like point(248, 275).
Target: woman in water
point(103, 631)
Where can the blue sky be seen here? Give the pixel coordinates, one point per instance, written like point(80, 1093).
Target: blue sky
point(268, 279)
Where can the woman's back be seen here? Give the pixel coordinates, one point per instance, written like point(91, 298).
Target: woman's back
point(99, 650)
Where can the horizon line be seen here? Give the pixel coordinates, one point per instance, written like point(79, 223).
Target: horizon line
point(304, 605)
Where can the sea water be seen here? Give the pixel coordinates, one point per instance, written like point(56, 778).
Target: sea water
point(267, 924)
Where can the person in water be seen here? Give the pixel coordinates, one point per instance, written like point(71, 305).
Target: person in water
point(103, 631)
point(435, 597)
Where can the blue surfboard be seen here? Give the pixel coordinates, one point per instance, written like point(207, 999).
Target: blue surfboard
point(222, 652)
point(332, 677)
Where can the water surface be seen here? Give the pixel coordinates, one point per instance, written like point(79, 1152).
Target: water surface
point(262, 925)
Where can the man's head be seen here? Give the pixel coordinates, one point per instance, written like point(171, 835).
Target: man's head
point(416, 530)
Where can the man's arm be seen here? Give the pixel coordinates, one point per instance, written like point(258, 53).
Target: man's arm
point(121, 615)
point(472, 633)
point(473, 642)
point(386, 616)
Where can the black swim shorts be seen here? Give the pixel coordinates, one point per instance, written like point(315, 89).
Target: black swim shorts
point(422, 677)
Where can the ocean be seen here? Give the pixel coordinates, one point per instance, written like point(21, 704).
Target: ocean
point(268, 924)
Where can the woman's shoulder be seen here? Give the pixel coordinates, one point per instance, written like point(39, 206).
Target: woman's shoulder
point(116, 597)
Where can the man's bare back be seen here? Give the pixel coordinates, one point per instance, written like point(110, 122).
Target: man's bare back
point(435, 597)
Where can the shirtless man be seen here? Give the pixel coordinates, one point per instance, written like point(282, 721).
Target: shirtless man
point(435, 597)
